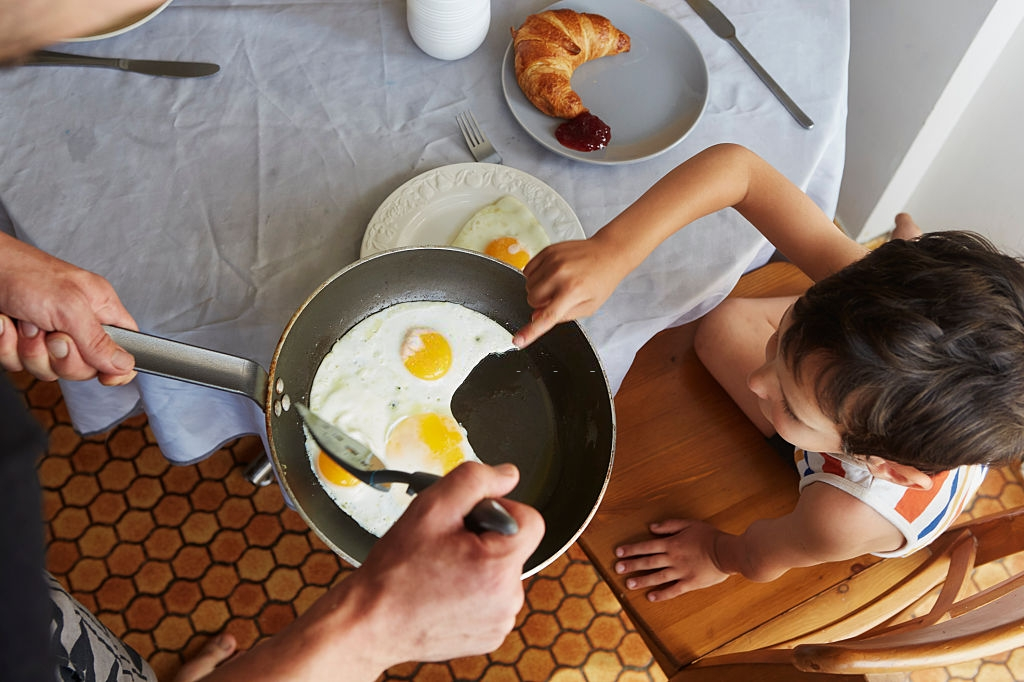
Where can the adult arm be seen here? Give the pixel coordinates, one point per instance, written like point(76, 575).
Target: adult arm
point(572, 279)
point(59, 310)
point(429, 590)
point(827, 524)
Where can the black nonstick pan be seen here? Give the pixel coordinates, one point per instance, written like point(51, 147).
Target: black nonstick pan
point(547, 409)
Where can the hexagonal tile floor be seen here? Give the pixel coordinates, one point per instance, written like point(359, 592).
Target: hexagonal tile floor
point(168, 556)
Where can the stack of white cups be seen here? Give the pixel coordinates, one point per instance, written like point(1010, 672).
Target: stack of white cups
point(448, 29)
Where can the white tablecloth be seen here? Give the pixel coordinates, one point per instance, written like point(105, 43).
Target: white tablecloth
point(216, 205)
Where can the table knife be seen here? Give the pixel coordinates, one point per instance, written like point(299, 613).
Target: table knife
point(724, 29)
point(146, 66)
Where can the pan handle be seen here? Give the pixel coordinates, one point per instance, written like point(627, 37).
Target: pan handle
point(176, 360)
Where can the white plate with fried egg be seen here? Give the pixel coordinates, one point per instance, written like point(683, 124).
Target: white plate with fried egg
point(432, 209)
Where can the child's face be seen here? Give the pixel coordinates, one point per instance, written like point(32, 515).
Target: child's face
point(791, 405)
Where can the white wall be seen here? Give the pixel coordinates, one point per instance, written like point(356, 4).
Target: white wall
point(977, 180)
point(915, 67)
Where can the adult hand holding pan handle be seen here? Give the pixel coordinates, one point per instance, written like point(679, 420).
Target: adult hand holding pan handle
point(50, 317)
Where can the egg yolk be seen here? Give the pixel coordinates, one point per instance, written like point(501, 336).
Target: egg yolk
point(334, 472)
point(509, 250)
point(425, 442)
point(426, 354)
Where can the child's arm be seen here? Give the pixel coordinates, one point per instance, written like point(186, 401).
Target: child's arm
point(572, 279)
point(827, 525)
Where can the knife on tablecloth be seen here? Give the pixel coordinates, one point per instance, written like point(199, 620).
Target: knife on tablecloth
point(147, 66)
point(724, 29)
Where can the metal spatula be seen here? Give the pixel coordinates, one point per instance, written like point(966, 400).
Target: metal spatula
point(359, 460)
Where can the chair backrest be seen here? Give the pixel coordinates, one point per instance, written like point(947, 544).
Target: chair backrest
point(889, 633)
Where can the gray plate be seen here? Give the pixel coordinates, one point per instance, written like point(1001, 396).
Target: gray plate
point(651, 96)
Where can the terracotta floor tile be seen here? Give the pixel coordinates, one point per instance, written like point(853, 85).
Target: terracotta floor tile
point(216, 467)
point(247, 599)
point(115, 594)
point(500, 673)
point(568, 675)
point(219, 581)
point(235, 513)
point(172, 633)
point(182, 596)
point(990, 672)
point(575, 613)
point(263, 530)
point(163, 543)
point(107, 508)
point(171, 510)
point(606, 632)
point(97, 541)
point(126, 443)
point(255, 564)
point(61, 556)
point(150, 461)
point(144, 613)
point(64, 441)
point(470, 668)
point(181, 479)
point(80, 490)
point(545, 594)
point(69, 523)
point(116, 475)
point(283, 584)
point(87, 575)
point(191, 562)
point(199, 528)
point(54, 471)
point(536, 665)
point(602, 666)
point(434, 672)
point(291, 549)
point(633, 652)
point(144, 493)
point(320, 568)
point(227, 546)
point(511, 649)
point(135, 526)
point(153, 577)
point(579, 579)
point(541, 629)
point(210, 616)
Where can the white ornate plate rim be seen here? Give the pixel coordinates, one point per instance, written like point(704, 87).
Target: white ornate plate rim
point(416, 194)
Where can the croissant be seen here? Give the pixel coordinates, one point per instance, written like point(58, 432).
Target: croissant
point(548, 48)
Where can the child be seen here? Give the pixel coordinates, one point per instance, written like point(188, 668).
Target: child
point(899, 375)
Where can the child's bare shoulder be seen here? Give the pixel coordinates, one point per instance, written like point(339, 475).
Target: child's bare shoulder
point(842, 525)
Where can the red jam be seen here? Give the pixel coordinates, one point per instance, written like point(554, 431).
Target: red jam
point(585, 133)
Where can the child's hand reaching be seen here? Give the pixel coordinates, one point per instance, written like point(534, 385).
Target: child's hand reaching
point(566, 281)
point(683, 559)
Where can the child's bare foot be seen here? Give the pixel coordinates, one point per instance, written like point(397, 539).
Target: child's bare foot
point(213, 653)
point(906, 228)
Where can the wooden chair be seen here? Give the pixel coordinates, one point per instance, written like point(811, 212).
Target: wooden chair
point(684, 450)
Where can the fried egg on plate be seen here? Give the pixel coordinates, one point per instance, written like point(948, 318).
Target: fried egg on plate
point(505, 230)
point(388, 383)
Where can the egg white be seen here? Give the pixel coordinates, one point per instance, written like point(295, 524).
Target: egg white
point(363, 387)
point(507, 217)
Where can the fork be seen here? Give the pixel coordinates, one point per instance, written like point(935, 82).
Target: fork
point(478, 143)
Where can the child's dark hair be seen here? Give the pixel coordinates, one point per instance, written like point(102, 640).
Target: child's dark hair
point(923, 350)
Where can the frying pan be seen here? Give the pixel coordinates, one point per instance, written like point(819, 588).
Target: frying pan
point(547, 409)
